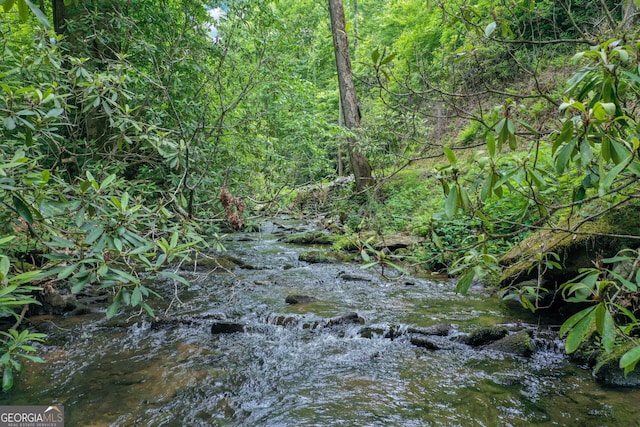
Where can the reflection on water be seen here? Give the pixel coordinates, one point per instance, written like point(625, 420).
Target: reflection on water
point(136, 374)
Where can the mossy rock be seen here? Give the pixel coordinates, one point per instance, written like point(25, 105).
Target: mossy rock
point(390, 242)
point(484, 336)
point(519, 344)
point(313, 238)
point(212, 263)
point(608, 372)
point(321, 257)
point(600, 238)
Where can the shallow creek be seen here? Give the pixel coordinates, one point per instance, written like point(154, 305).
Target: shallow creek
point(134, 373)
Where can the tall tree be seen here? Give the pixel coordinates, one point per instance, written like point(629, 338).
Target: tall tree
point(359, 162)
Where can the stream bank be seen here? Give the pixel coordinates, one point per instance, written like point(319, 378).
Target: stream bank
point(174, 372)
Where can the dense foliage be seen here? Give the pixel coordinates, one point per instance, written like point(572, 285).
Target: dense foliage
point(130, 131)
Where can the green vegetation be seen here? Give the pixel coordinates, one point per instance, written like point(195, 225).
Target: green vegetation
point(133, 132)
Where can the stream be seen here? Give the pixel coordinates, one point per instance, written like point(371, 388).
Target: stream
point(133, 372)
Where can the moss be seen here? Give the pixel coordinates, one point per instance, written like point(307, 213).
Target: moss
point(313, 238)
point(608, 371)
point(576, 250)
point(321, 257)
point(211, 263)
point(519, 344)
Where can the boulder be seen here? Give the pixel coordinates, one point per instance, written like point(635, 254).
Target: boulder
point(345, 319)
point(484, 336)
point(608, 372)
point(612, 375)
point(321, 257)
point(519, 344)
point(299, 299)
point(424, 342)
point(353, 277)
point(381, 331)
point(393, 242)
point(55, 302)
point(312, 238)
point(441, 329)
point(225, 327)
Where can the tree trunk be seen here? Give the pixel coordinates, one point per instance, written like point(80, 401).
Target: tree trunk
point(59, 16)
point(629, 14)
point(359, 163)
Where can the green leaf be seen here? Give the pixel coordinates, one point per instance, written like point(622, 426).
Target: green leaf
point(117, 243)
point(605, 183)
point(586, 154)
point(128, 277)
point(107, 181)
point(175, 277)
point(6, 239)
point(23, 209)
point(609, 108)
point(388, 59)
point(564, 156)
point(112, 310)
point(571, 321)
point(26, 277)
point(7, 378)
point(66, 272)
point(136, 296)
point(437, 241)
point(7, 5)
point(125, 200)
point(462, 287)
point(451, 156)
point(630, 359)
point(633, 287)
point(23, 10)
point(451, 204)
point(491, 144)
point(605, 149)
point(93, 235)
point(617, 258)
point(147, 308)
point(487, 187)
point(375, 55)
point(606, 327)
point(565, 134)
point(80, 284)
point(580, 331)
point(34, 359)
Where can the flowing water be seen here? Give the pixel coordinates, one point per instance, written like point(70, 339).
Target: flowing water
point(130, 372)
